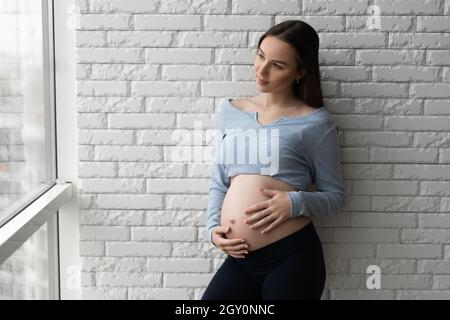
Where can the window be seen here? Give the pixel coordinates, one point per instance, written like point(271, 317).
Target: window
point(29, 192)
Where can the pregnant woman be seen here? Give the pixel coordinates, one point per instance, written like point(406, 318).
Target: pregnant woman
point(259, 211)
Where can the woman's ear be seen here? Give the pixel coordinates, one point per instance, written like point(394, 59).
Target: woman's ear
point(301, 73)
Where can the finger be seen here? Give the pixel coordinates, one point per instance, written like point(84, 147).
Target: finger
point(271, 226)
point(259, 215)
point(268, 219)
point(221, 230)
point(236, 248)
point(242, 251)
point(269, 191)
point(258, 206)
point(238, 253)
point(232, 242)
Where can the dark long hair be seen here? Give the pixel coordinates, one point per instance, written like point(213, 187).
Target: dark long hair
point(304, 39)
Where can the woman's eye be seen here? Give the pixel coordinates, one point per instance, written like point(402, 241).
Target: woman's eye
point(276, 66)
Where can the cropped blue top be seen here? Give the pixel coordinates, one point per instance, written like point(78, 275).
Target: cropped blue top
point(297, 150)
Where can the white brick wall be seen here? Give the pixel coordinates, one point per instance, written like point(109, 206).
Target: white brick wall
point(146, 69)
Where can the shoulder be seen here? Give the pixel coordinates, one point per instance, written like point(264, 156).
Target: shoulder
point(244, 104)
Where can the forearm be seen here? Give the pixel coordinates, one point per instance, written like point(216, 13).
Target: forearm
point(318, 203)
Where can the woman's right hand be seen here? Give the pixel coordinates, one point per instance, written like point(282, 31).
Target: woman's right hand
point(234, 247)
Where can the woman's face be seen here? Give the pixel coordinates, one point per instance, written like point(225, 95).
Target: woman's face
point(276, 65)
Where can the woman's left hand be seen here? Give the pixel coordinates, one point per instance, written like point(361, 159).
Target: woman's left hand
point(274, 211)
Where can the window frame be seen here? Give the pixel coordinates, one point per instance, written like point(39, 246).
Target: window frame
point(54, 204)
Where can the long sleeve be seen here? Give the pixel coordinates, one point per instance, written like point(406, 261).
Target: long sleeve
point(329, 197)
point(220, 183)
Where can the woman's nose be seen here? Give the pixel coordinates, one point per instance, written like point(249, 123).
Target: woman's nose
point(262, 69)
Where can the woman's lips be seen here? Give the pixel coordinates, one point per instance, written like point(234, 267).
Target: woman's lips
point(262, 82)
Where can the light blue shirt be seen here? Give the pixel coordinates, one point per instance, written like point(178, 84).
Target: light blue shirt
point(297, 150)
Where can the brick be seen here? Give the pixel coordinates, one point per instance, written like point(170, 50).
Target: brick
point(386, 138)
point(112, 217)
point(435, 188)
point(438, 57)
point(432, 266)
point(385, 187)
point(425, 172)
point(197, 6)
point(114, 185)
point(163, 88)
point(127, 279)
point(380, 219)
point(410, 7)
point(418, 40)
point(163, 234)
point(406, 74)
point(434, 220)
point(433, 24)
point(141, 121)
point(387, 266)
point(122, 6)
point(143, 293)
point(390, 24)
point(184, 186)
point(140, 39)
point(425, 236)
point(348, 250)
point(167, 22)
point(396, 281)
point(330, 7)
point(104, 233)
point(389, 57)
point(127, 153)
point(102, 88)
point(96, 170)
point(136, 201)
point(409, 251)
point(91, 38)
point(105, 137)
point(408, 204)
point(423, 295)
point(255, 7)
point(110, 104)
point(92, 248)
point(381, 90)
point(344, 73)
point(340, 294)
point(104, 293)
point(124, 72)
point(113, 264)
point(105, 21)
point(364, 235)
point(392, 155)
point(355, 40)
point(175, 280)
point(110, 55)
point(237, 22)
point(417, 123)
point(135, 249)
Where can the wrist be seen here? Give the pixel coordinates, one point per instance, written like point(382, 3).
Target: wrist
point(294, 198)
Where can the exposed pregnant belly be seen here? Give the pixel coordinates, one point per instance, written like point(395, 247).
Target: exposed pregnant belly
point(242, 193)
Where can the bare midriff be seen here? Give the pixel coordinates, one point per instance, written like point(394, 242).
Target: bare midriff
point(244, 192)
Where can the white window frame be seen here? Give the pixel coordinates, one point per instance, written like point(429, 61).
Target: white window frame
point(60, 93)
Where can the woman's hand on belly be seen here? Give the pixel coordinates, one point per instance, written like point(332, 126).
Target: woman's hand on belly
point(272, 212)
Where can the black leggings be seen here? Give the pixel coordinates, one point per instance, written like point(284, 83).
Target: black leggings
point(291, 268)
